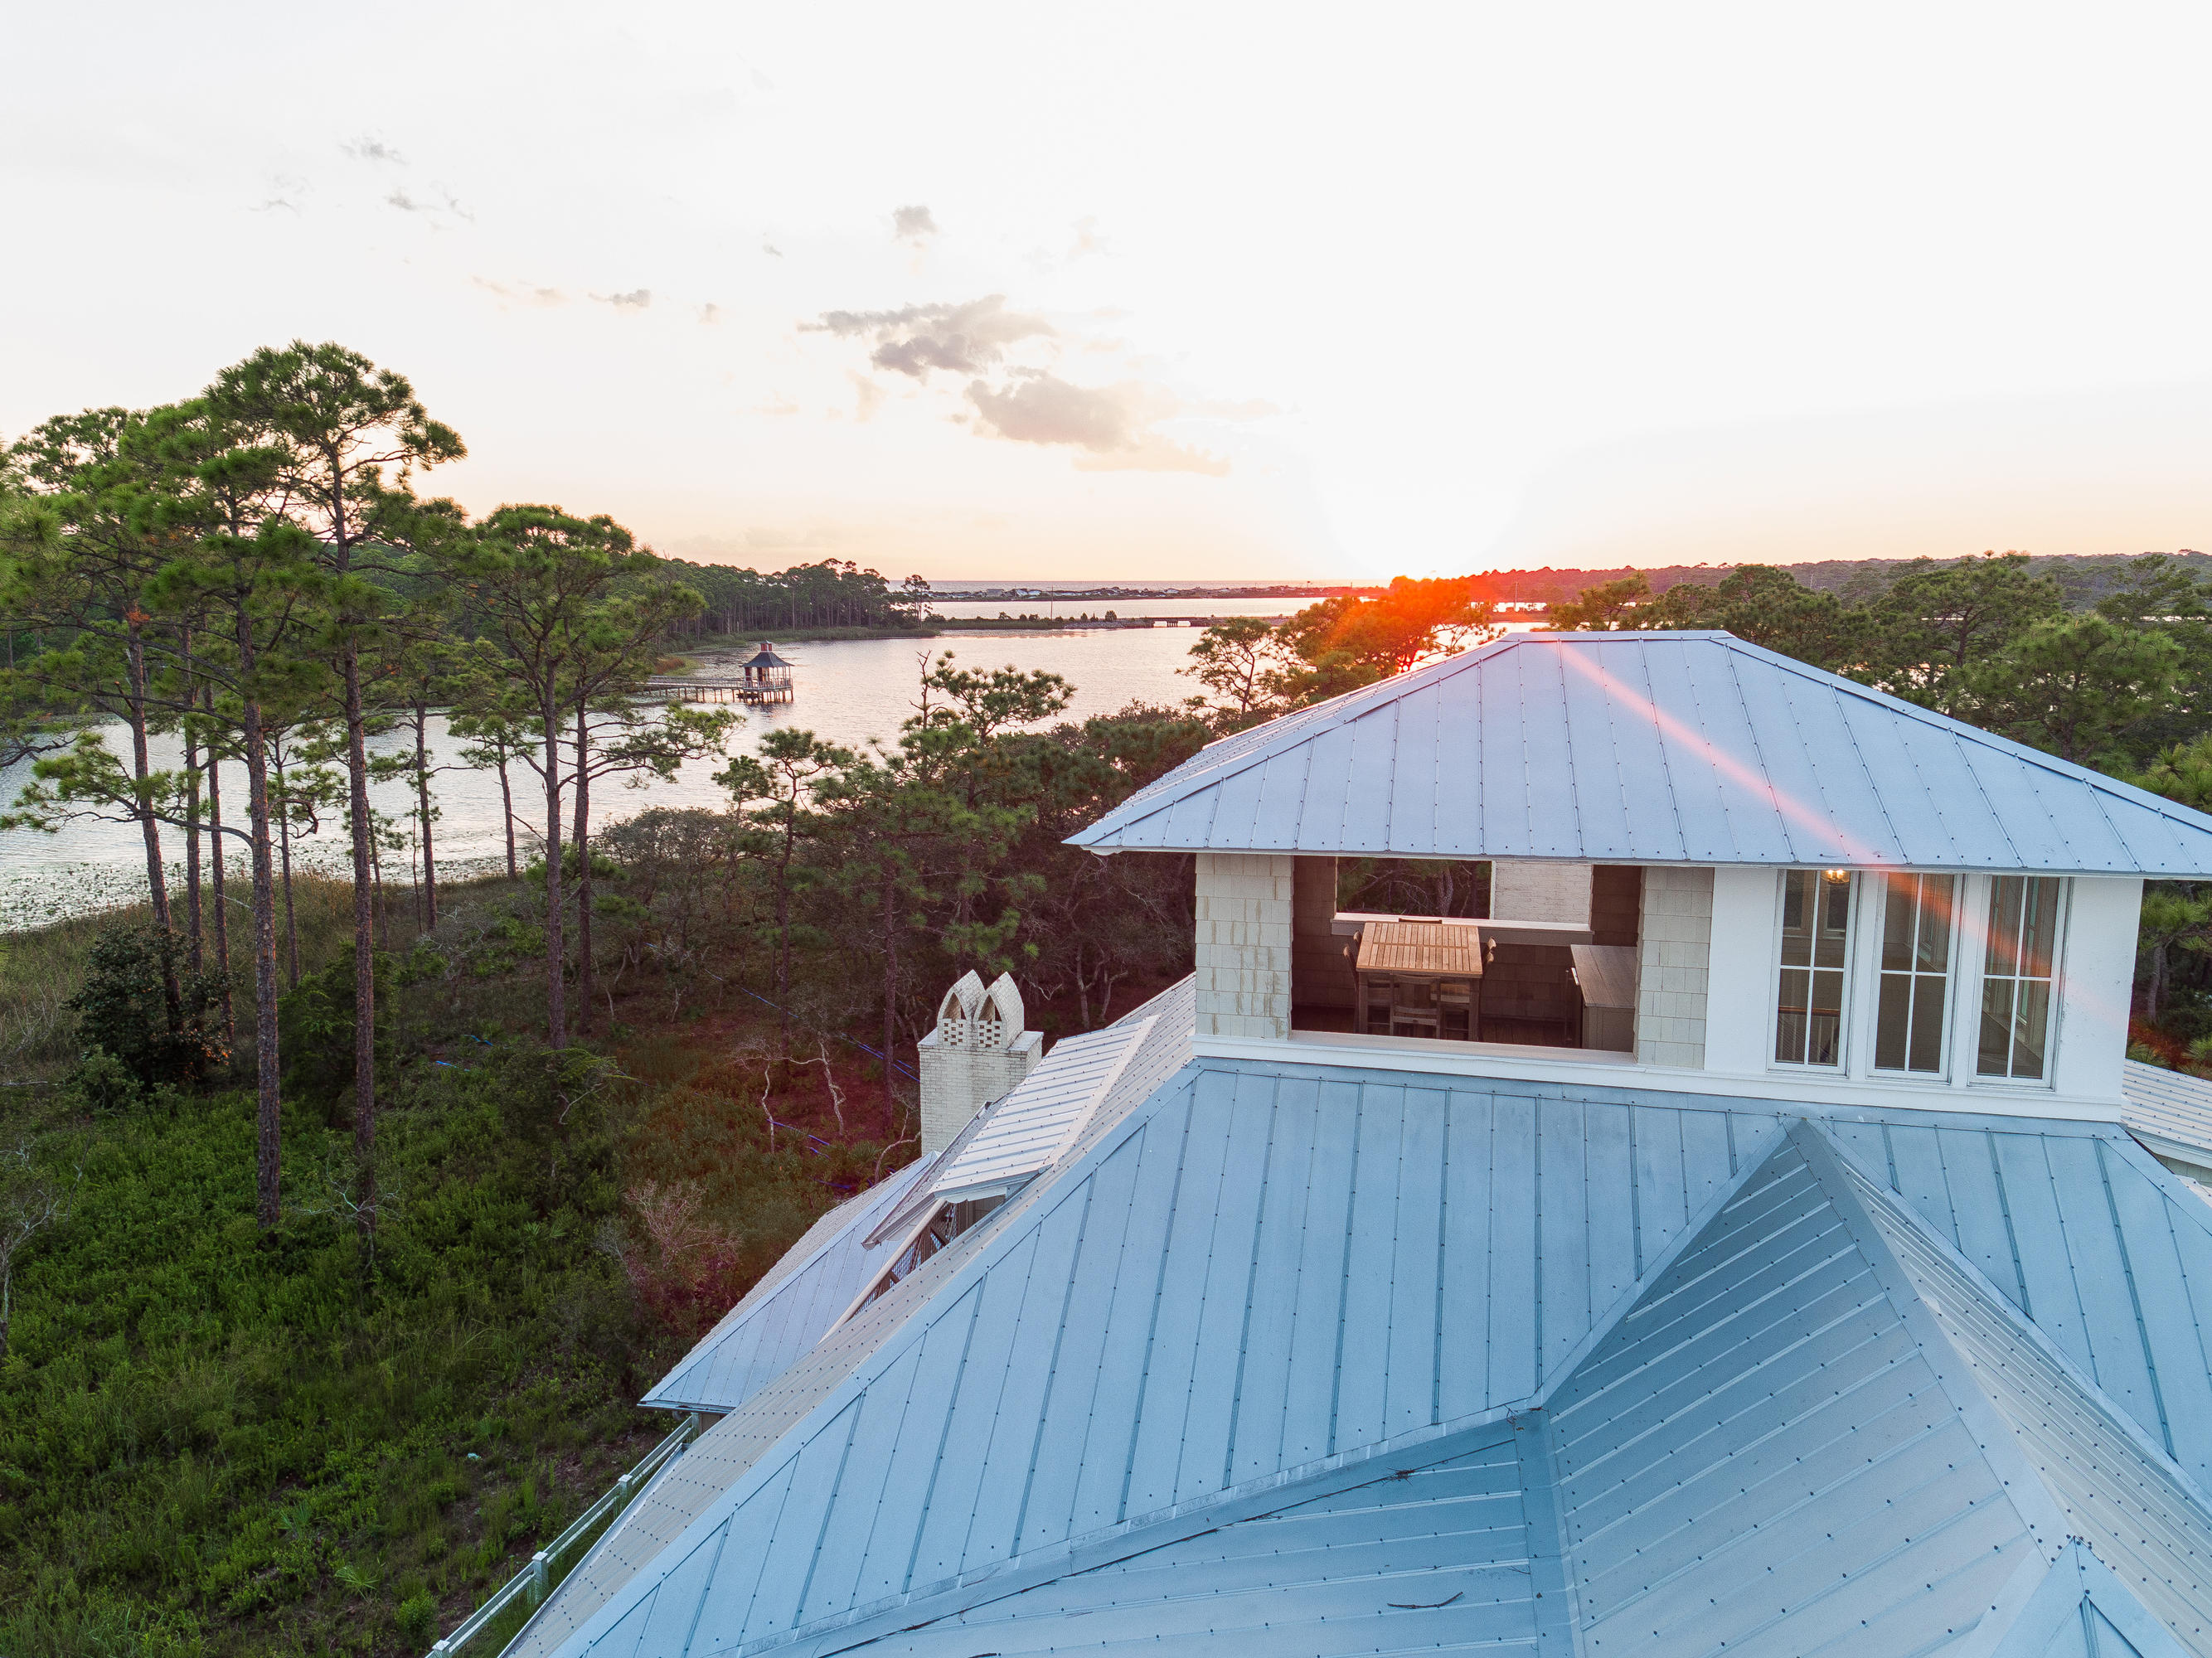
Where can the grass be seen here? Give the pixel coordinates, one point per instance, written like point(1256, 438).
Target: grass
point(215, 1440)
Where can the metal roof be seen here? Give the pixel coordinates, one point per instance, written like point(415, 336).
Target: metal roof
point(1025, 1133)
point(2169, 1111)
point(1763, 1456)
point(1793, 1387)
point(2118, 1488)
point(2105, 1253)
point(1657, 747)
point(785, 1313)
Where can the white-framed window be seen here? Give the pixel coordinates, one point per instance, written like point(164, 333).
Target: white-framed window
point(1912, 1003)
point(1813, 970)
point(2018, 973)
point(944, 1222)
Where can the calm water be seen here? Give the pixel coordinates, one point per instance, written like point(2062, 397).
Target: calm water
point(849, 691)
point(954, 610)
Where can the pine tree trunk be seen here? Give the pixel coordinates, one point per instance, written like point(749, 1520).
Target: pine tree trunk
point(583, 870)
point(783, 949)
point(222, 908)
point(364, 949)
point(157, 884)
point(422, 806)
point(556, 1011)
point(291, 919)
point(193, 920)
point(267, 1115)
point(507, 816)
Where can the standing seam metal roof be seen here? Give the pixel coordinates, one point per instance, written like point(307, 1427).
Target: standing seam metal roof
point(1650, 748)
point(1809, 1426)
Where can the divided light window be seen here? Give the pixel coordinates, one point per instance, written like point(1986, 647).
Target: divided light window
point(1816, 919)
point(2016, 976)
point(1916, 972)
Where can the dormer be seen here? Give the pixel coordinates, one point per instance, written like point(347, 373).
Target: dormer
point(1671, 860)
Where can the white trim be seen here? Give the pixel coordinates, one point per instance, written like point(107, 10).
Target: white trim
point(1953, 956)
point(1846, 1016)
point(2055, 1014)
point(1816, 1095)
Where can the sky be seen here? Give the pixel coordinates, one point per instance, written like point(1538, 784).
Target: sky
point(1169, 291)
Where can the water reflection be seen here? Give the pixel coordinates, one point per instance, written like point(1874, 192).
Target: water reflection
point(850, 692)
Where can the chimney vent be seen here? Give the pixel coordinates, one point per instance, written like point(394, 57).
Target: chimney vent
point(976, 1055)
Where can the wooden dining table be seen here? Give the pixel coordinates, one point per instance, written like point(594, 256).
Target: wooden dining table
point(1419, 979)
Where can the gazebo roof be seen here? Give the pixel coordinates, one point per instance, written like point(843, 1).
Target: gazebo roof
point(765, 657)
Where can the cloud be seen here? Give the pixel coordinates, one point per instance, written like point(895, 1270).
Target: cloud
point(912, 224)
point(285, 193)
point(1087, 240)
point(1019, 397)
point(522, 293)
point(777, 404)
point(962, 339)
point(367, 148)
point(1110, 423)
point(710, 312)
point(772, 251)
point(637, 299)
point(449, 205)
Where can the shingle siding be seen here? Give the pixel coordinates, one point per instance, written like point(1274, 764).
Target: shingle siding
point(1244, 944)
point(1675, 960)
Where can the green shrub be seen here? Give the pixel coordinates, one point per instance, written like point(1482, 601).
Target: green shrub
point(418, 1618)
point(122, 1009)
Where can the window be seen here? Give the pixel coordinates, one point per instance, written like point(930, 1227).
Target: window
point(1816, 919)
point(947, 1221)
point(2017, 974)
point(1916, 972)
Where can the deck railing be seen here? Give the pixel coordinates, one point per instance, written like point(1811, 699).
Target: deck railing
point(530, 1585)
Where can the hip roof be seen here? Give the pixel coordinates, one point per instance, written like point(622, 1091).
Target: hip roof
point(1659, 748)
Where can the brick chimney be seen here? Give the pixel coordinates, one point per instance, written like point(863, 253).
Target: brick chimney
point(975, 1056)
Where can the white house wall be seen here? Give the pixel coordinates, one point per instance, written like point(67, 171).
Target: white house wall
point(2099, 971)
point(1243, 903)
point(1739, 996)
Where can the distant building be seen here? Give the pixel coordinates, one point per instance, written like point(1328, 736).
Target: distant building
point(1747, 1238)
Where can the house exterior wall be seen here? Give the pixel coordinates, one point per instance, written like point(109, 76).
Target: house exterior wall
point(2100, 967)
point(1245, 902)
point(1740, 984)
point(1673, 964)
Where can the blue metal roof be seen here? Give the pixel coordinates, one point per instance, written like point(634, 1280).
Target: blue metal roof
point(2118, 1488)
point(1763, 1457)
point(790, 1309)
point(2169, 1111)
point(1025, 1133)
point(2101, 1249)
point(1650, 748)
point(785, 1313)
point(1763, 1392)
point(2079, 1609)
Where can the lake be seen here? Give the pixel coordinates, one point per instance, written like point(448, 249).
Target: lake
point(849, 691)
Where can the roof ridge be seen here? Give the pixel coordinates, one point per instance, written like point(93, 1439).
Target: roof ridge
point(2011, 748)
point(1302, 724)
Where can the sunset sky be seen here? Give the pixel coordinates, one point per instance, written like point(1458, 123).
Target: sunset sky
point(1170, 291)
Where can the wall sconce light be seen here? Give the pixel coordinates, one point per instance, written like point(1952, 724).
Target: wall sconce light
point(1835, 876)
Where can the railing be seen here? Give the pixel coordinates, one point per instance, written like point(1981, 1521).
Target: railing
point(550, 1564)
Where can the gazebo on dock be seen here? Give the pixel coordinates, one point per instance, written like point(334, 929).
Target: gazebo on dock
point(767, 676)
